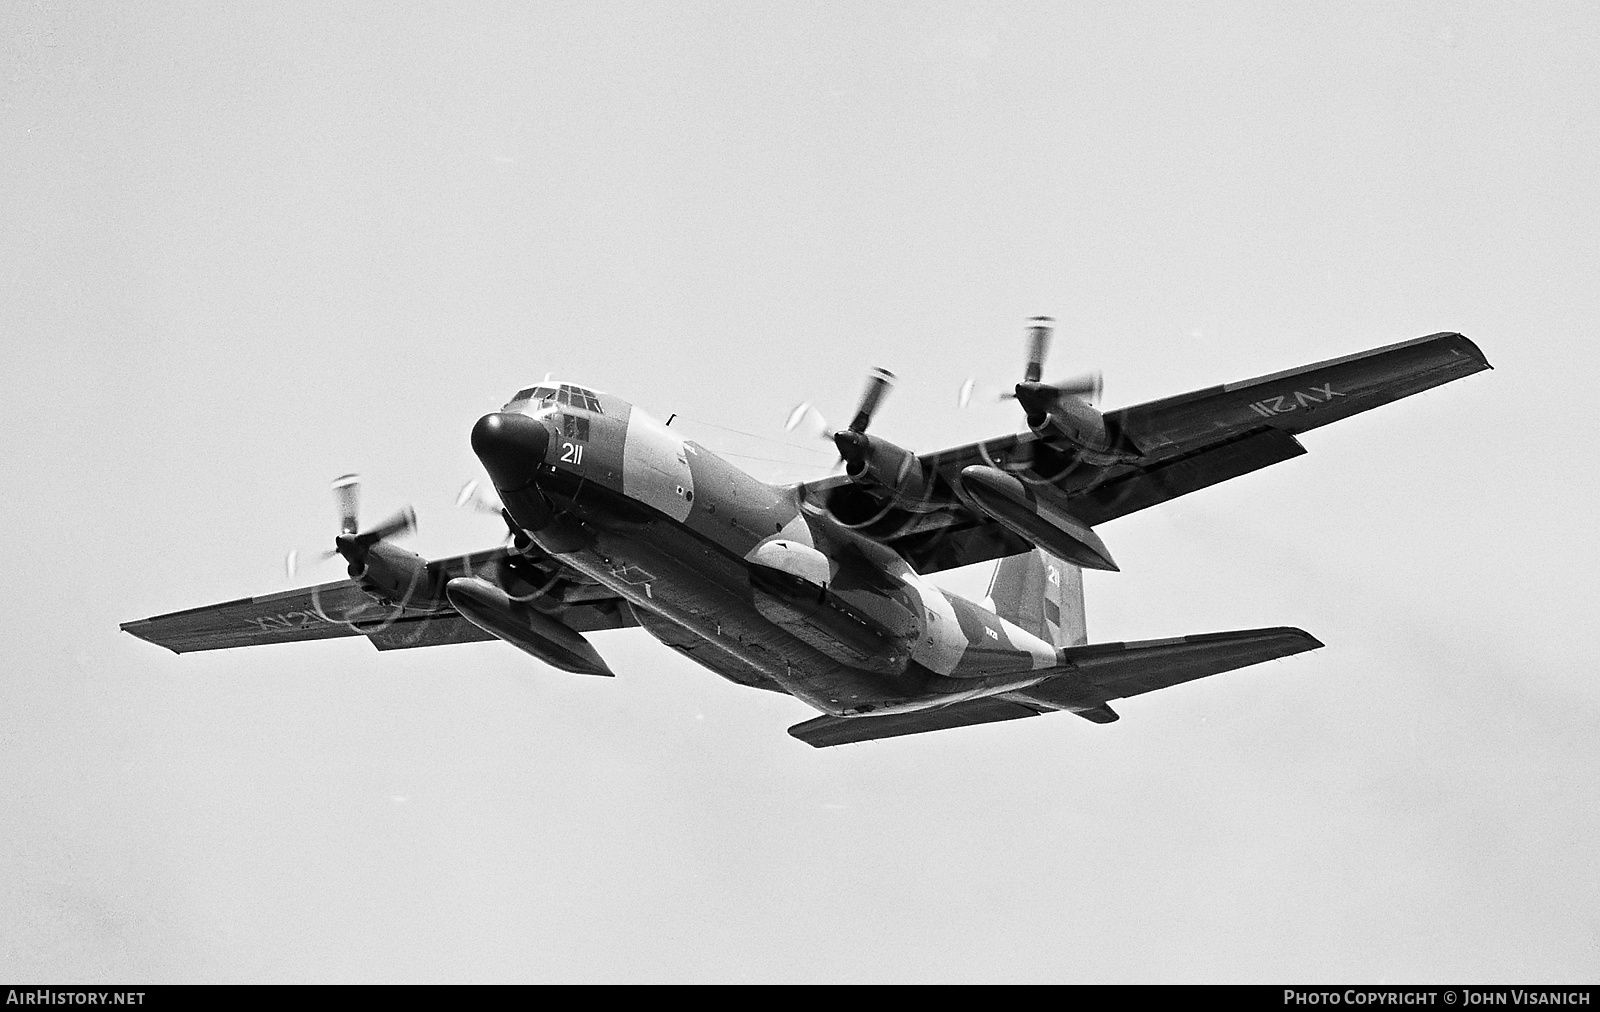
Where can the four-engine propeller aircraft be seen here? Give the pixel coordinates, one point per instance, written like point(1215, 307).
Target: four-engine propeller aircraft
point(819, 589)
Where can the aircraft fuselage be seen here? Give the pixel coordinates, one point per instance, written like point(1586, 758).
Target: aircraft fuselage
point(744, 577)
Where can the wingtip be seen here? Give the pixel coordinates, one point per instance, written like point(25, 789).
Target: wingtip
point(137, 630)
point(1472, 347)
point(1310, 641)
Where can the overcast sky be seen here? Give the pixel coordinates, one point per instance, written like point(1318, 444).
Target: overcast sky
point(244, 250)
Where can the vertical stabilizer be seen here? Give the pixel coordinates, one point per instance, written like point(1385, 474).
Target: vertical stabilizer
point(1043, 595)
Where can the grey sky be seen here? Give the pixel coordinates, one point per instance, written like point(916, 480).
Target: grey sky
point(245, 250)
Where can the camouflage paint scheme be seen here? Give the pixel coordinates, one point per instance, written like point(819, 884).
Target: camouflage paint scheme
point(773, 591)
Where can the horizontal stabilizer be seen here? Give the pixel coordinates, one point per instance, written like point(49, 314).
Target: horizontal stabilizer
point(1092, 676)
point(1096, 674)
point(1101, 714)
point(824, 731)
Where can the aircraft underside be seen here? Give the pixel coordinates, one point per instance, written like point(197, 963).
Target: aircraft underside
point(696, 597)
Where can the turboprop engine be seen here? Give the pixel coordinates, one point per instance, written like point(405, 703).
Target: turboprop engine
point(883, 476)
point(876, 462)
point(386, 572)
point(1061, 412)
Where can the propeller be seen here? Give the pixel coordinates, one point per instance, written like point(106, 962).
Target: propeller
point(851, 439)
point(1039, 334)
point(1038, 398)
point(474, 497)
point(879, 383)
point(347, 494)
point(353, 543)
point(478, 498)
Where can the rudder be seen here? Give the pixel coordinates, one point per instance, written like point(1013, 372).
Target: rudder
point(1042, 594)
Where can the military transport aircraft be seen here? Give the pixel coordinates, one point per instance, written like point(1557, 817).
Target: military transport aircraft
point(819, 589)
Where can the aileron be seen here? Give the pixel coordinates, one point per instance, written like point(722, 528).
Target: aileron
point(1298, 400)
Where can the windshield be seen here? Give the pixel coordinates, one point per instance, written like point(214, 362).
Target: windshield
point(549, 394)
point(544, 393)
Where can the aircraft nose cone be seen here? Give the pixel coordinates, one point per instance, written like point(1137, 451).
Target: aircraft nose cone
point(511, 446)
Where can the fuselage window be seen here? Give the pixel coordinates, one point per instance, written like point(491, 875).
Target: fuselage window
point(574, 427)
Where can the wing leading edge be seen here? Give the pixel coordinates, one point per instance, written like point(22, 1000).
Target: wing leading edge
point(341, 608)
point(1168, 447)
point(1089, 679)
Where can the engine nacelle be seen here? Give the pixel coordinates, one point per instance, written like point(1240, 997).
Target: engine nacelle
point(879, 463)
point(1057, 417)
point(392, 575)
point(883, 477)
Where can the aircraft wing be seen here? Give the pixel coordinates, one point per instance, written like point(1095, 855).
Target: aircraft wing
point(341, 608)
point(1089, 678)
point(1165, 448)
point(1297, 400)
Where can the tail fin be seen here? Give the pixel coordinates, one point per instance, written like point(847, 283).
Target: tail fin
point(1043, 595)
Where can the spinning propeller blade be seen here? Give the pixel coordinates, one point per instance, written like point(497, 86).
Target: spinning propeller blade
point(347, 494)
point(803, 411)
point(1037, 397)
point(879, 383)
point(403, 521)
point(475, 497)
point(1039, 331)
point(352, 542)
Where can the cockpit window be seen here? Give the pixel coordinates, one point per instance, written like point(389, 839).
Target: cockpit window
point(546, 394)
point(578, 397)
